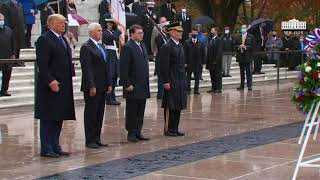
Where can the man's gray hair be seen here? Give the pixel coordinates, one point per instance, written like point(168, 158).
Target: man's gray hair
point(92, 27)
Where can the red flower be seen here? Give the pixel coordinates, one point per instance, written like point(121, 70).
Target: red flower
point(301, 98)
point(312, 94)
point(315, 75)
point(301, 81)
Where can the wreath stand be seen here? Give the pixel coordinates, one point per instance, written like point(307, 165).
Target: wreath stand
point(311, 122)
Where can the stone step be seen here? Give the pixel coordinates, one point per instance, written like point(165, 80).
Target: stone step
point(27, 97)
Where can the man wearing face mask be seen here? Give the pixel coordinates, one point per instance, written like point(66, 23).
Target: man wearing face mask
point(6, 52)
point(274, 43)
point(185, 18)
point(227, 48)
point(195, 58)
point(214, 61)
point(13, 13)
point(168, 10)
point(148, 25)
point(287, 41)
point(139, 9)
point(243, 44)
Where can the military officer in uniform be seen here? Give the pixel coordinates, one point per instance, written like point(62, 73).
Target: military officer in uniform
point(110, 39)
point(173, 75)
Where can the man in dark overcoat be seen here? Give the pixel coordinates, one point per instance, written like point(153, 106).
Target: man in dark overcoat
point(134, 77)
point(195, 58)
point(96, 82)
point(13, 13)
point(185, 18)
point(168, 10)
point(6, 52)
point(110, 40)
point(243, 45)
point(54, 93)
point(104, 8)
point(214, 61)
point(173, 75)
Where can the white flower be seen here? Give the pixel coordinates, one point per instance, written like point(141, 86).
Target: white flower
point(318, 64)
point(306, 79)
point(308, 69)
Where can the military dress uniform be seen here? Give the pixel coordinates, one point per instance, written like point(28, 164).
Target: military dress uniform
point(172, 70)
point(110, 39)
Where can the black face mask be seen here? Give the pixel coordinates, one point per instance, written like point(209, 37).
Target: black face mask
point(168, 1)
point(194, 36)
point(150, 8)
point(273, 35)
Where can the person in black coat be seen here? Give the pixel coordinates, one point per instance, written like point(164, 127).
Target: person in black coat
point(159, 41)
point(185, 18)
point(104, 8)
point(134, 77)
point(96, 81)
point(6, 52)
point(195, 58)
point(173, 75)
point(110, 39)
point(139, 9)
point(243, 44)
point(214, 61)
point(148, 26)
point(227, 39)
point(260, 37)
point(13, 14)
point(54, 95)
point(168, 10)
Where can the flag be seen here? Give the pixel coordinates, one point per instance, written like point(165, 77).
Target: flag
point(118, 11)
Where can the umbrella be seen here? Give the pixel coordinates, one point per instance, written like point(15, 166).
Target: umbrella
point(255, 24)
point(76, 20)
point(203, 20)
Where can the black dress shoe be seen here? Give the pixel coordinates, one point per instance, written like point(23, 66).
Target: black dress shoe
point(142, 138)
point(210, 91)
point(261, 73)
point(5, 94)
point(171, 134)
point(62, 153)
point(51, 155)
point(132, 139)
point(196, 92)
point(101, 144)
point(117, 103)
point(180, 133)
point(229, 76)
point(249, 88)
point(240, 88)
point(217, 91)
point(92, 145)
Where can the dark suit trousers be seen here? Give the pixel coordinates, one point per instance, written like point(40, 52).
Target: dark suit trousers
point(196, 79)
point(6, 76)
point(172, 122)
point(216, 77)
point(49, 135)
point(245, 70)
point(258, 58)
point(93, 116)
point(134, 115)
point(112, 96)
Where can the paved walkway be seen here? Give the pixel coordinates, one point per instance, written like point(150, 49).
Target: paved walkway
point(234, 135)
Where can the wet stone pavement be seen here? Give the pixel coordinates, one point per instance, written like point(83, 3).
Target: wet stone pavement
point(233, 135)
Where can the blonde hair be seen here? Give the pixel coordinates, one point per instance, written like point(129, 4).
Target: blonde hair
point(55, 17)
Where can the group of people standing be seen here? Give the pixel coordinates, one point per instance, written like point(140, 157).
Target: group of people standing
point(54, 98)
